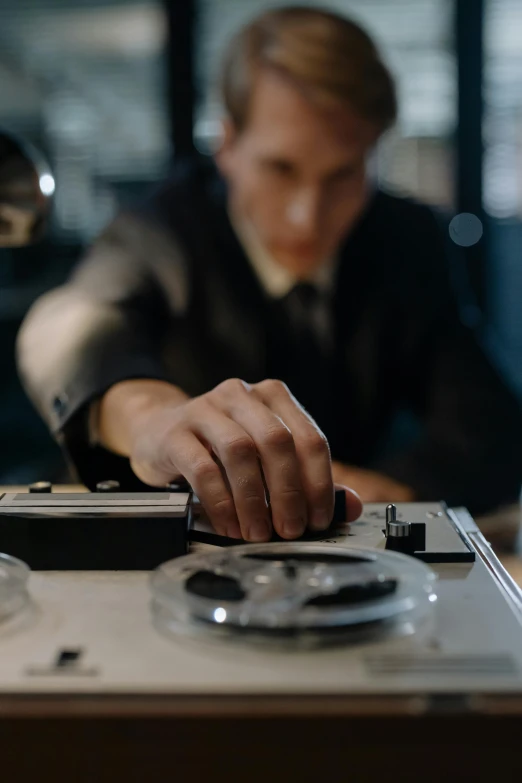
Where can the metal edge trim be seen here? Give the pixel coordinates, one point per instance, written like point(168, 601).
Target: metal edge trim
point(457, 526)
point(511, 589)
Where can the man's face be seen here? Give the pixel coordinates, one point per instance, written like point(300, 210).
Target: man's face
point(296, 173)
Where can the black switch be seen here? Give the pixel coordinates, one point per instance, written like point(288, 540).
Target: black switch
point(41, 487)
point(401, 536)
point(67, 657)
point(340, 513)
point(107, 486)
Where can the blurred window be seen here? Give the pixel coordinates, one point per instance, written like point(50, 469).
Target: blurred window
point(502, 132)
point(85, 80)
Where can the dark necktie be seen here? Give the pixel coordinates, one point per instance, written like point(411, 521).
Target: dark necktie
point(308, 365)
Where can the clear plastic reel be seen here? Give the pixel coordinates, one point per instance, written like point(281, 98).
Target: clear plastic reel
point(294, 593)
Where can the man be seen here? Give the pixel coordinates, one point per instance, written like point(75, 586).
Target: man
point(242, 317)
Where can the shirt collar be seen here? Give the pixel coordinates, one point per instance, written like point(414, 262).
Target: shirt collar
point(275, 280)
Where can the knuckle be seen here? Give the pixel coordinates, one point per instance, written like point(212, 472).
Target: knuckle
point(240, 448)
point(278, 437)
point(205, 470)
point(231, 387)
point(224, 507)
point(291, 496)
point(315, 443)
point(250, 491)
point(254, 499)
point(321, 494)
point(274, 387)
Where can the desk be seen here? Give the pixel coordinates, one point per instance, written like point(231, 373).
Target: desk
point(104, 737)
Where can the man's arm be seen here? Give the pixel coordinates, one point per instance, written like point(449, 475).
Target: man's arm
point(104, 326)
point(98, 339)
point(370, 485)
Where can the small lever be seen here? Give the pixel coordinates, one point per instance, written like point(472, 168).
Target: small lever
point(394, 527)
point(391, 516)
point(402, 536)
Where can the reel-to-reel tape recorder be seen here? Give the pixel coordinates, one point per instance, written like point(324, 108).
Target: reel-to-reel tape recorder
point(124, 606)
point(406, 599)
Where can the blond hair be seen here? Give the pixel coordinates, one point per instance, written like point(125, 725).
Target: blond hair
point(330, 58)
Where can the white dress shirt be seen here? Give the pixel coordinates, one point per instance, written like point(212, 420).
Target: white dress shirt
point(277, 281)
point(274, 278)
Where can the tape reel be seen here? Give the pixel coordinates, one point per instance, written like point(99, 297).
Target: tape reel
point(293, 593)
point(14, 575)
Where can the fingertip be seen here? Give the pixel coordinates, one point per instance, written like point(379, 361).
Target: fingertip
point(233, 531)
point(259, 532)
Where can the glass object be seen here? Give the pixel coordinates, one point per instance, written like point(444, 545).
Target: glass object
point(84, 81)
point(26, 187)
point(14, 575)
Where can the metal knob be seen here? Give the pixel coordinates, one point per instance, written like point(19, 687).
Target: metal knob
point(107, 486)
point(41, 486)
point(396, 528)
point(399, 529)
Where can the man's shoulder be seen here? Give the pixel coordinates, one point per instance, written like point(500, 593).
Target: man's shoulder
point(393, 207)
point(408, 227)
point(404, 246)
point(193, 183)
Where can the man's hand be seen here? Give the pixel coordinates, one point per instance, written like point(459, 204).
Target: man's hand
point(232, 444)
point(371, 487)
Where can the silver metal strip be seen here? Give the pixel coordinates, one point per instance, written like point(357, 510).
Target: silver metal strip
point(94, 504)
point(460, 529)
point(511, 589)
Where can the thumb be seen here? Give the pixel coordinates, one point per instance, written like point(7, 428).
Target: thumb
point(354, 504)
